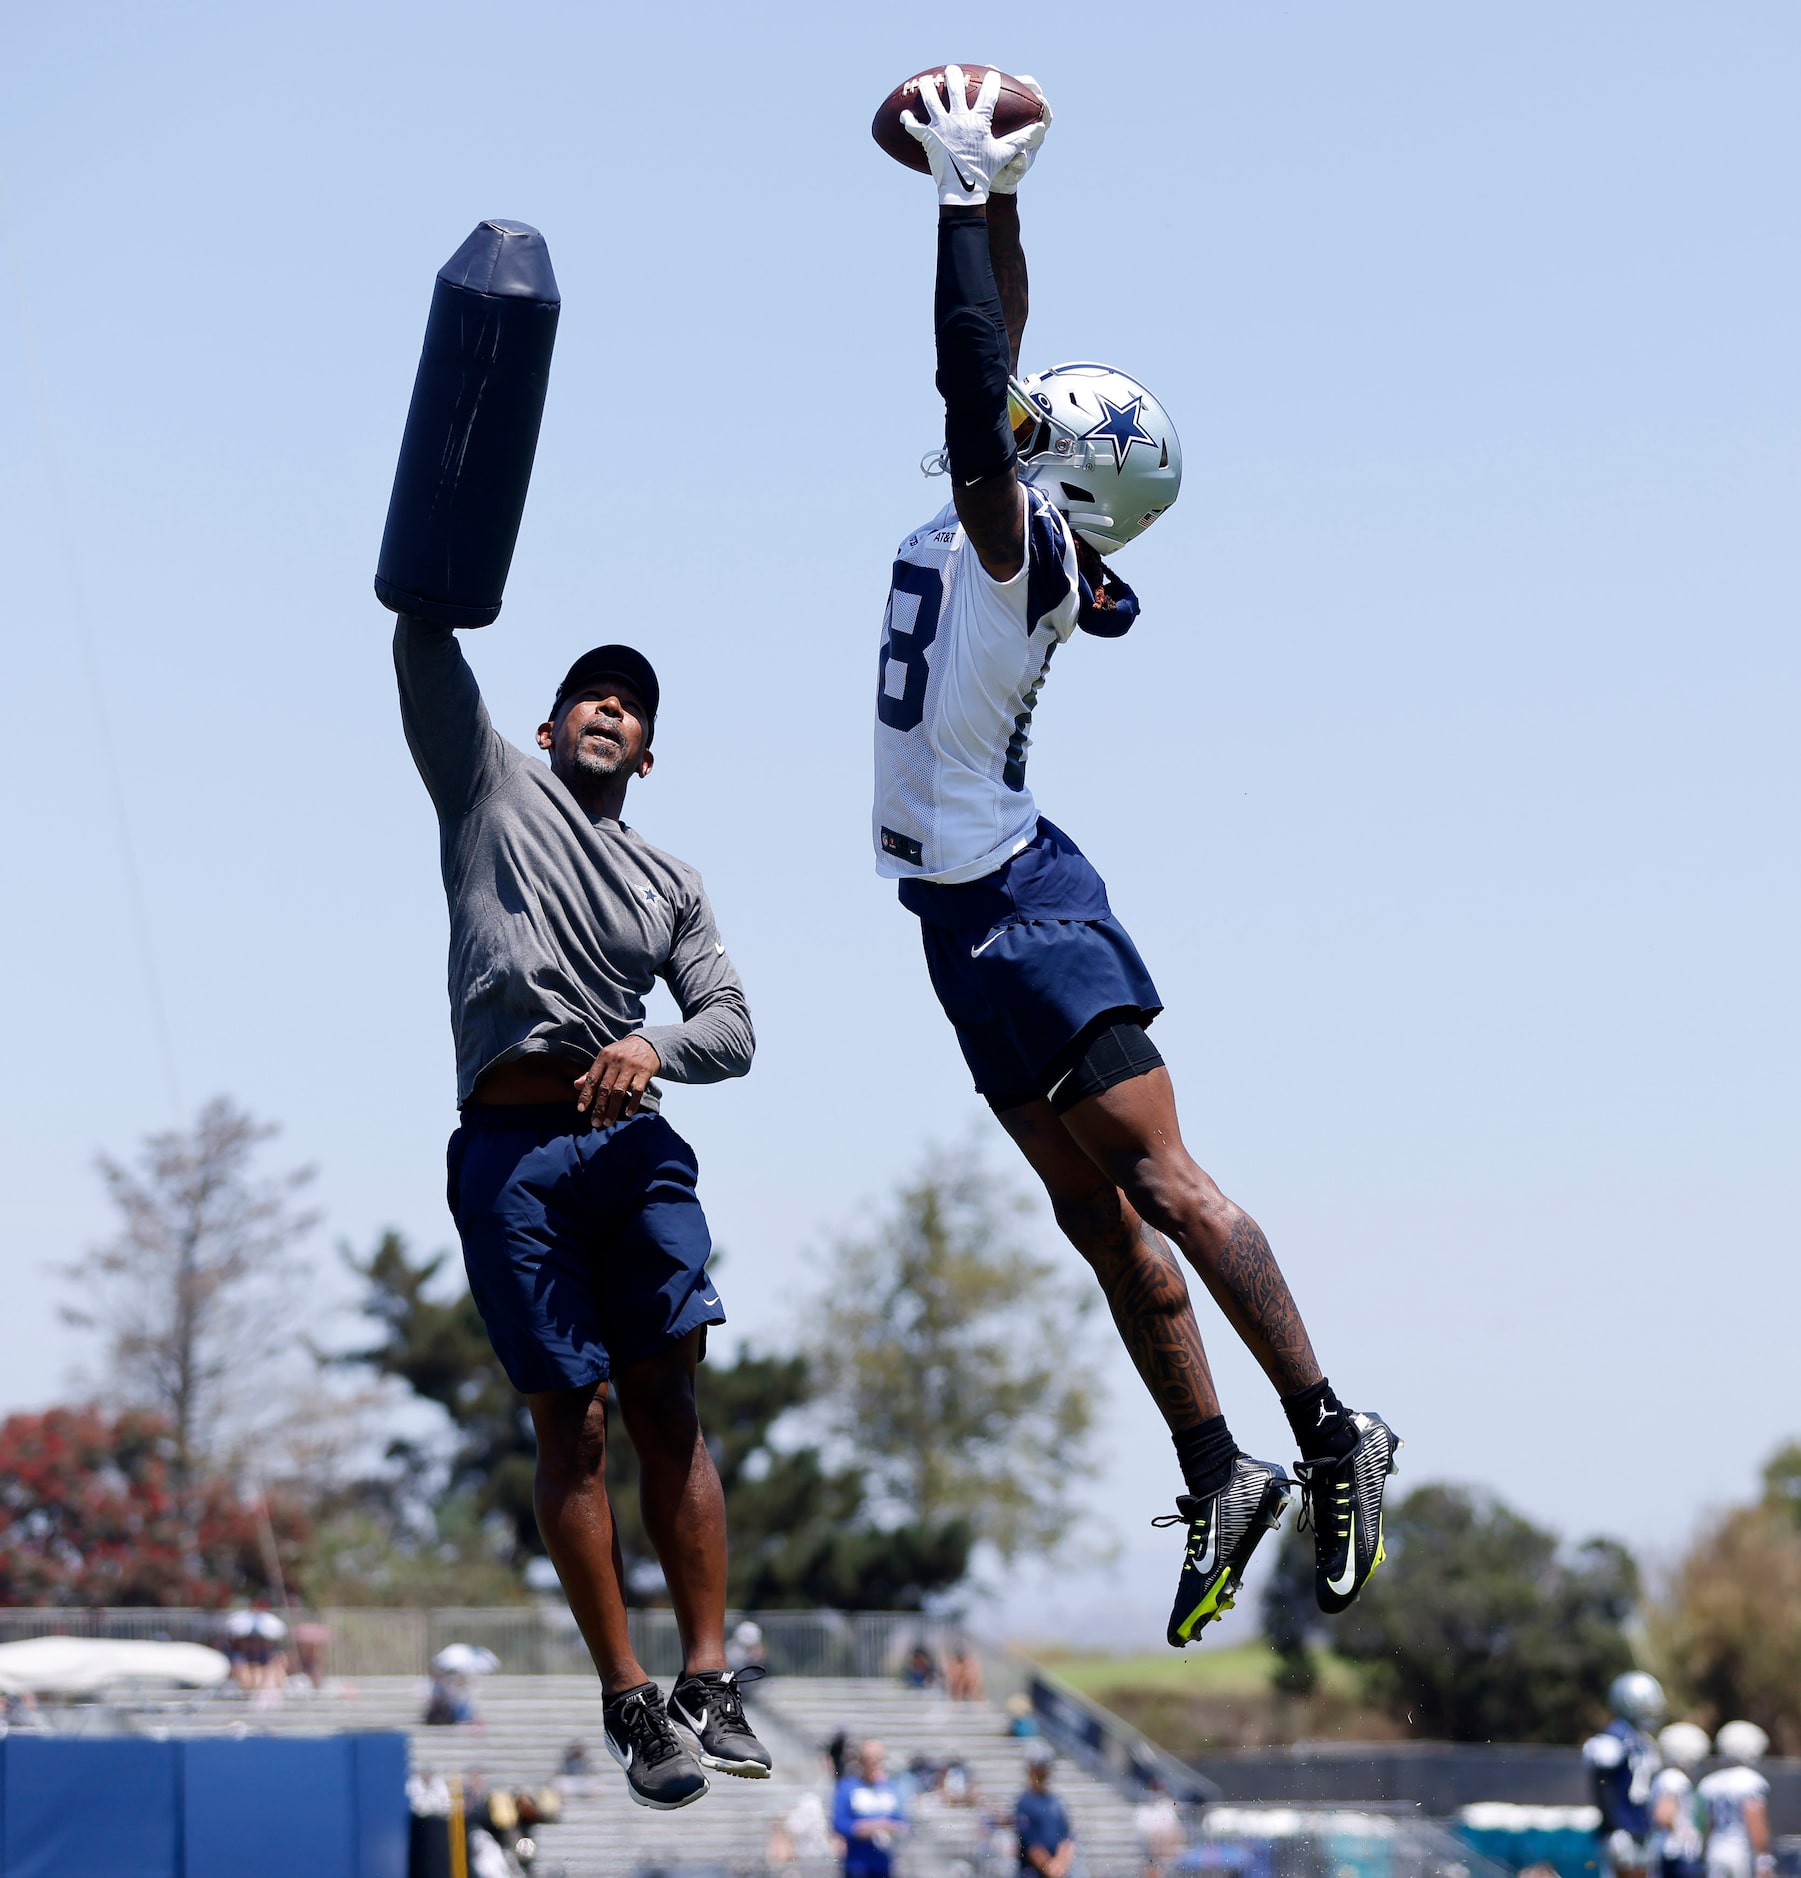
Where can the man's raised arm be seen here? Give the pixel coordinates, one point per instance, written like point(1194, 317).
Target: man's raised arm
point(459, 753)
point(979, 309)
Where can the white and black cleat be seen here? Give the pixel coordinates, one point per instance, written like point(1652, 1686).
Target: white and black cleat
point(710, 1707)
point(1342, 1501)
point(659, 1771)
point(1224, 1529)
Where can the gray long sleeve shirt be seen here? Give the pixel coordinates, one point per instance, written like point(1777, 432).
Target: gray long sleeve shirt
point(558, 924)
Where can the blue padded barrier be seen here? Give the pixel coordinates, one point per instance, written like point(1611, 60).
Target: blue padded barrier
point(204, 1808)
point(278, 1809)
point(90, 1809)
point(384, 1820)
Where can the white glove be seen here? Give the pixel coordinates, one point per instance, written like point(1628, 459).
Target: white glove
point(1007, 180)
point(960, 143)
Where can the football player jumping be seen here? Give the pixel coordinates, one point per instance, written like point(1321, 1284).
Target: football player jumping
point(1048, 995)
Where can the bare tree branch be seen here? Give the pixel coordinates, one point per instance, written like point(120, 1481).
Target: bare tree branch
point(190, 1295)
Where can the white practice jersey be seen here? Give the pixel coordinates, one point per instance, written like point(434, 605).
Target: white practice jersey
point(1723, 1796)
point(963, 658)
point(1680, 1841)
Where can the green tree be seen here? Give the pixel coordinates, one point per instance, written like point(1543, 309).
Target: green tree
point(1727, 1630)
point(800, 1532)
point(948, 1358)
point(1480, 1629)
point(438, 1346)
point(1782, 1483)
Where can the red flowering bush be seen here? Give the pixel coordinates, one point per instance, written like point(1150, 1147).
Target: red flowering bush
point(91, 1512)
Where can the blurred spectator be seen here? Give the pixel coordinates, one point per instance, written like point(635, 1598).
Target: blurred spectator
point(744, 1649)
point(921, 1672)
point(575, 1773)
point(449, 1702)
point(963, 1675)
point(919, 1777)
point(1047, 1847)
point(801, 1832)
point(272, 1635)
point(1022, 1724)
point(1159, 1828)
point(240, 1635)
point(838, 1752)
point(309, 1651)
point(867, 1815)
point(256, 1643)
point(956, 1785)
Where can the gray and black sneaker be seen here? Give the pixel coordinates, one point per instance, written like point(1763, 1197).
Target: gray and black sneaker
point(659, 1771)
point(709, 1706)
point(1342, 1501)
point(1224, 1529)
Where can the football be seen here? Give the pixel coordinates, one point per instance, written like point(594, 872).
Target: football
point(1014, 109)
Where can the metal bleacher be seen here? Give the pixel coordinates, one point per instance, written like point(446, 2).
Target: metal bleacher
point(527, 1721)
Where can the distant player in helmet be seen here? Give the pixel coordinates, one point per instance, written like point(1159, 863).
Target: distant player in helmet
point(1676, 1843)
point(1735, 1802)
point(1623, 1763)
point(1048, 995)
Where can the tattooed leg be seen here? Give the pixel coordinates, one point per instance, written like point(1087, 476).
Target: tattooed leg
point(1148, 1296)
point(1131, 1134)
point(1139, 1275)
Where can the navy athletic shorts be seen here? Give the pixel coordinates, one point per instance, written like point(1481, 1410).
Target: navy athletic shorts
point(586, 1248)
point(1024, 960)
point(1021, 993)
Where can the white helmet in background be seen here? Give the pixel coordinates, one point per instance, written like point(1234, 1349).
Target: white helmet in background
point(1100, 446)
point(1684, 1745)
point(1742, 1742)
point(1637, 1698)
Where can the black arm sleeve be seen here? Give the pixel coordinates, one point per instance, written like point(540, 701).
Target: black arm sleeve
point(972, 350)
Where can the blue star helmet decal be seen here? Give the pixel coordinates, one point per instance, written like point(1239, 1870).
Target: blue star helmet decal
point(1121, 428)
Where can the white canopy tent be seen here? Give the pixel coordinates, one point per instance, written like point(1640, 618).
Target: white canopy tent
point(78, 1666)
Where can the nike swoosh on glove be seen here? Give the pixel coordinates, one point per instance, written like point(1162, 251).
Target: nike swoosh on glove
point(959, 139)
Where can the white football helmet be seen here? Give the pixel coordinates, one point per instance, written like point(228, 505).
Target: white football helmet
point(1741, 1742)
point(1100, 446)
point(1684, 1745)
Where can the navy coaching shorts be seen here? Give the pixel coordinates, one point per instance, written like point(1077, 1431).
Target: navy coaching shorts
point(586, 1248)
point(1021, 992)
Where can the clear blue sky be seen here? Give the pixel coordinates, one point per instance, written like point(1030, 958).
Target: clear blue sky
point(1448, 785)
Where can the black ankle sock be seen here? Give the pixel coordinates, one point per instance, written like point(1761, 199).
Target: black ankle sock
point(1206, 1453)
point(1321, 1423)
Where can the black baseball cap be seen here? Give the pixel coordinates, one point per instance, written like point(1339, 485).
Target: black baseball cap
point(614, 662)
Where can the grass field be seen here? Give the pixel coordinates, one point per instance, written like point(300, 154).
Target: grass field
point(1201, 1701)
point(1242, 1670)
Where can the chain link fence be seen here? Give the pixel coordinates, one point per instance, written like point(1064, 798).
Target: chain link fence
point(529, 1639)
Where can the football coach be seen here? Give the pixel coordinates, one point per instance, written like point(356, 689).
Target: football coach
point(582, 1231)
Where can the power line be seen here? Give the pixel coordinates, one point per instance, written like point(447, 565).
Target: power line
point(90, 659)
